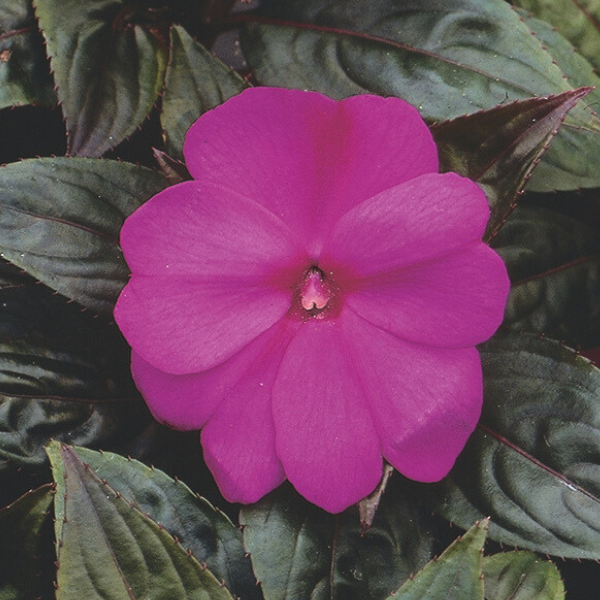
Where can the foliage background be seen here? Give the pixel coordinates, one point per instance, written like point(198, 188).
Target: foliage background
point(533, 463)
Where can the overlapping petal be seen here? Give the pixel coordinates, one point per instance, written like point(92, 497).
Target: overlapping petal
point(325, 434)
point(211, 271)
point(306, 157)
point(198, 228)
point(186, 402)
point(456, 300)
point(425, 402)
point(239, 439)
point(411, 223)
point(184, 326)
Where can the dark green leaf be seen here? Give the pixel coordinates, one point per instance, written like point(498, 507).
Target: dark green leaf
point(299, 551)
point(24, 72)
point(60, 220)
point(578, 21)
point(521, 576)
point(553, 260)
point(578, 72)
point(108, 67)
point(500, 147)
point(448, 58)
point(533, 463)
point(195, 82)
point(27, 425)
point(199, 527)
point(455, 575)
point(63, 375)
point(575, 68)
point(20, 525)
point(109, 550)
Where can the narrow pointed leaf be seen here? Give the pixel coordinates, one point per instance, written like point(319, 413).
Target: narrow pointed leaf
point(24, 70)
point(446, 58)
point(195, 82)
point(199, 527)
point(553, 259)
point(521, 576)
point(578, 21)
point(455, 575)
point(109, 550)
point(367, 507)
point(20, 525)
point(60, 220)
point(499, 148)
point(299, 551)
point(108, 67)
point(533, 464)
point(174, 170)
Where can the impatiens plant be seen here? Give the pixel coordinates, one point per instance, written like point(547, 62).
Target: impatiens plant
point(357, 254)
point(292, 298)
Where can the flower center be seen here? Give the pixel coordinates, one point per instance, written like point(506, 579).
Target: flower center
point(314, 293)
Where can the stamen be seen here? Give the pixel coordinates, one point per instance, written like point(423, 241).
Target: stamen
point(314, 294)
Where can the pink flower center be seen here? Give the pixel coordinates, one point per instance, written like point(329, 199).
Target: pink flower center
point(315, 295)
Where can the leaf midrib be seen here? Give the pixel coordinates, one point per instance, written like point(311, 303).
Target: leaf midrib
point(558, 269)
point(586, 14)
point(68, 457)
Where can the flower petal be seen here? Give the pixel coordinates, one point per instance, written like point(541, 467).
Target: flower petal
point(421, 219)
point(454, 301)
point(184, 326)
point(325, 435)
point(186, 402)
point(306, 157)
point(196, 228)
point(178, 401)
point(425, 401)
point(239, 440)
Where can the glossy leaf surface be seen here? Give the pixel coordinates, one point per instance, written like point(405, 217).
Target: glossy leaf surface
point(63, 375)
point(499, 148)
point(521, 576)
point(446, 58)
point(108, 549)
point(60, 220)
point(109, 68)
point(553, 259)
point(20, 525)
point(24, 71)
point(578, 21)
point(199, 527)
point(299, 551)
point(533, 463)
point(196, 81)
point(455, 575)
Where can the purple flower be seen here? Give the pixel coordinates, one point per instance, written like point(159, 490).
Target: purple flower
point(312, 300)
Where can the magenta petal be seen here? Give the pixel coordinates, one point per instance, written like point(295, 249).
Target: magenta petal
point(239, 440)
point(425, 401)
point(196, 228)
point(421, 219)
point(179, 401)
point(186, 402)
point(325, 435)
point(307, 158)
point(453, 301)
point(184, 326)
